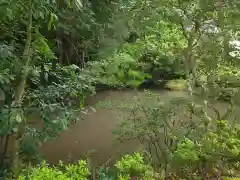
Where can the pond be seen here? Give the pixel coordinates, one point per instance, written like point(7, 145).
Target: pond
point(94, 132)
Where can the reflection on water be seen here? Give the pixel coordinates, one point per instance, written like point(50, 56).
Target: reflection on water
point(94, 132)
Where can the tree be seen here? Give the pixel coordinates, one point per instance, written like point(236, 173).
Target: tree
point(26, 51)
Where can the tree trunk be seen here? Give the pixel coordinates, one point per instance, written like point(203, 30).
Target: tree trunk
point(2, 99)
point(3, 149)
point(19, 92)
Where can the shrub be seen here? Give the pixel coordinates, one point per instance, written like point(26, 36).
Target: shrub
point(117, 71)
point(133, 166)
point(128, 167)
point(213, 154)
point(62, 172)
point(181, 147)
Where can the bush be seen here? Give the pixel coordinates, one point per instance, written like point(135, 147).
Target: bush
point(62, 172)
point(161, 67)
point(128, 167)
point(223, 81)
point(180, 147)
point(212, 155)
point(119, 70)
point(132, 167)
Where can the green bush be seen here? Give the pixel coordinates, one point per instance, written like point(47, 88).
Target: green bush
point(133, 166)
point(200, 147)
point(214, 153)
point(118, 70)
point(62, 172)
point(128, 167)
point(160, 66)
point(224, 81)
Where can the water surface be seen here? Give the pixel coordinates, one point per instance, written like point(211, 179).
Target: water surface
point(94, 132)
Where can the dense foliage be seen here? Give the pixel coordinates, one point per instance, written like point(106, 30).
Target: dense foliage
point(43, 53)
point(54, 54)
point(63, 172)
point(130, 166)
point(184, 145)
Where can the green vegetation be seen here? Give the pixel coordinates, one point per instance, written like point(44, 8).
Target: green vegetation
point(128, 166)
point(55, 54)
point(67, 172)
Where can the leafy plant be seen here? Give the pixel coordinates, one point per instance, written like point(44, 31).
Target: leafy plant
point(132, 166)
point(118, 70)
point(64, 172)
point(215, 153)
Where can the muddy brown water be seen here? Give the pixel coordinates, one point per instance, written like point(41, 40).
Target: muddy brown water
point(94, 132)
point(93, 135)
